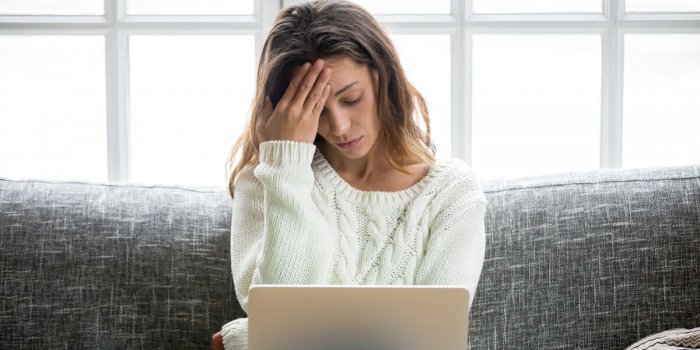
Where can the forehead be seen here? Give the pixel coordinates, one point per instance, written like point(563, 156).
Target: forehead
point(343, 69)
point(344, 64)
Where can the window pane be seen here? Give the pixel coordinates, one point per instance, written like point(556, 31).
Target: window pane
point(661, 104)
point(426, 60)
point(536, 104)
point(52, 7)
point(662, 5)
point(417, 7)
point(189, 7)
point(189, 98)
point(52, 104)
point(537, 6)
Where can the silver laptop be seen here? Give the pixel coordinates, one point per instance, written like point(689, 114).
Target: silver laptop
point(357, 317)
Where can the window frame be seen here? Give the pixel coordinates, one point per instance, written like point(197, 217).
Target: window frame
point(612, 24)
point(116, 26)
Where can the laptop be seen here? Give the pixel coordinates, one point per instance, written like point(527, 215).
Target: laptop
point(313, 317)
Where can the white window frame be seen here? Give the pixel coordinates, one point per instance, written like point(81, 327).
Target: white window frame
point(612, 24)
point(116, 26)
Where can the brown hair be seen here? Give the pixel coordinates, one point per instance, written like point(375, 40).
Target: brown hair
point(323, 28)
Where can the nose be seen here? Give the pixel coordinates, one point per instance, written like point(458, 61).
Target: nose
point(338, 123)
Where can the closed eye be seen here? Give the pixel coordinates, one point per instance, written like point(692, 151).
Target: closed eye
point(350, 103)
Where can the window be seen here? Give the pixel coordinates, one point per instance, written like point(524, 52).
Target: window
point(52, 107)
point(536, 103)
point(126, 90)
point(661, 100)
point(153, 92)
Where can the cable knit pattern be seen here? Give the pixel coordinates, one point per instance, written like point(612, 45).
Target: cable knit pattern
point(296, 221)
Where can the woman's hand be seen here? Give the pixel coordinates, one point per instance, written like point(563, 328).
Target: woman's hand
point(295, 117)
point(217, 342)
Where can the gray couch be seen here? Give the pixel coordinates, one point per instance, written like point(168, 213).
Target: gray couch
point(593, 260)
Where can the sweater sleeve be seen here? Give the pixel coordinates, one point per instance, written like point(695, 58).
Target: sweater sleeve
point(278, 235)
point(454, 254)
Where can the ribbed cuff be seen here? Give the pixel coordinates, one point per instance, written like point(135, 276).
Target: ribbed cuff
point(286, 152)
point(235, 334)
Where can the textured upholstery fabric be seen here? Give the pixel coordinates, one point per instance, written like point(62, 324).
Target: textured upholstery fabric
point(575, 261)
point(90, 266)
point(590, 260)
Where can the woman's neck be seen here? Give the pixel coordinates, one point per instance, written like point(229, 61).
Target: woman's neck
point(361, 170)
point(373, 172)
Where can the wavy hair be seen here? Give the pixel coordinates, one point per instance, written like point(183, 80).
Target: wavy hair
point(324, 28)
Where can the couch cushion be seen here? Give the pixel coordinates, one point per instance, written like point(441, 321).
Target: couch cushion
point(95, 266)
point(592, 260)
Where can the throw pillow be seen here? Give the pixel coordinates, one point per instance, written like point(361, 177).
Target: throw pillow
point(674, 339)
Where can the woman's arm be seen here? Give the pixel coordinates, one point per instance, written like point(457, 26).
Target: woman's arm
point(278, 235)
point(454, 254)
point(297, 247)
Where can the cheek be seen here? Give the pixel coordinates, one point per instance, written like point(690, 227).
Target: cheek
point(370, 110)
point(323, 126)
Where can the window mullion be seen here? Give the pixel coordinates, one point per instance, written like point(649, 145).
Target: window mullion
point(266, 12)
point(612, 90)
point(116, 54)
point(461, 85)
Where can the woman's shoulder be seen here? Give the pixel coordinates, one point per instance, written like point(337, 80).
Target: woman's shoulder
point(454, 178)
point(454, 170)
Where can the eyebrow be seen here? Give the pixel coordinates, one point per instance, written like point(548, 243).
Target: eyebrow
point(345, 88)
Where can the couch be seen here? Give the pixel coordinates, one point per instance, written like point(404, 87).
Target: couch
point(588, 260)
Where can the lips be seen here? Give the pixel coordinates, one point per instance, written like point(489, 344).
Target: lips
point(349, 144)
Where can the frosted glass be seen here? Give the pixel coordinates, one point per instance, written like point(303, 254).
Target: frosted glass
point(52, 7)
point(406, 6)
point(190, 97)
point(426, 60)
point(537, 6)
point(190, 7)
point(53, 108)
point(661, 100)
point(662, 5)
point(536, 104)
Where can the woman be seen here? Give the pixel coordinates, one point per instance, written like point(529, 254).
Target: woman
point(336, 181)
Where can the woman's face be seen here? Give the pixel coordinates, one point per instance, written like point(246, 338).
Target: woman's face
point(349, 122)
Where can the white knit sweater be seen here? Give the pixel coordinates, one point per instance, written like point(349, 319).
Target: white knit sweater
point(296, 221)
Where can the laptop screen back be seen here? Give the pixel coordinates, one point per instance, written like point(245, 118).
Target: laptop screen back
point(357, 317)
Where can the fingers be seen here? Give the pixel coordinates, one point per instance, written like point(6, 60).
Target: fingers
point(317, 91)
point(307, 84)
point(298, 111)
point(318, 106)
point(288, 96)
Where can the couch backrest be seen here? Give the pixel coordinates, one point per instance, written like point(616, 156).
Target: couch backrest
point(91, 266)
point(574, 261)
point(592, 260)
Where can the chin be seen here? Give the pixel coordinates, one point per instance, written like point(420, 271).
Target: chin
point(359, 152)
point(351, 153)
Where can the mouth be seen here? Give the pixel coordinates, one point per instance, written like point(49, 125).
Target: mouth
point(350, 144)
